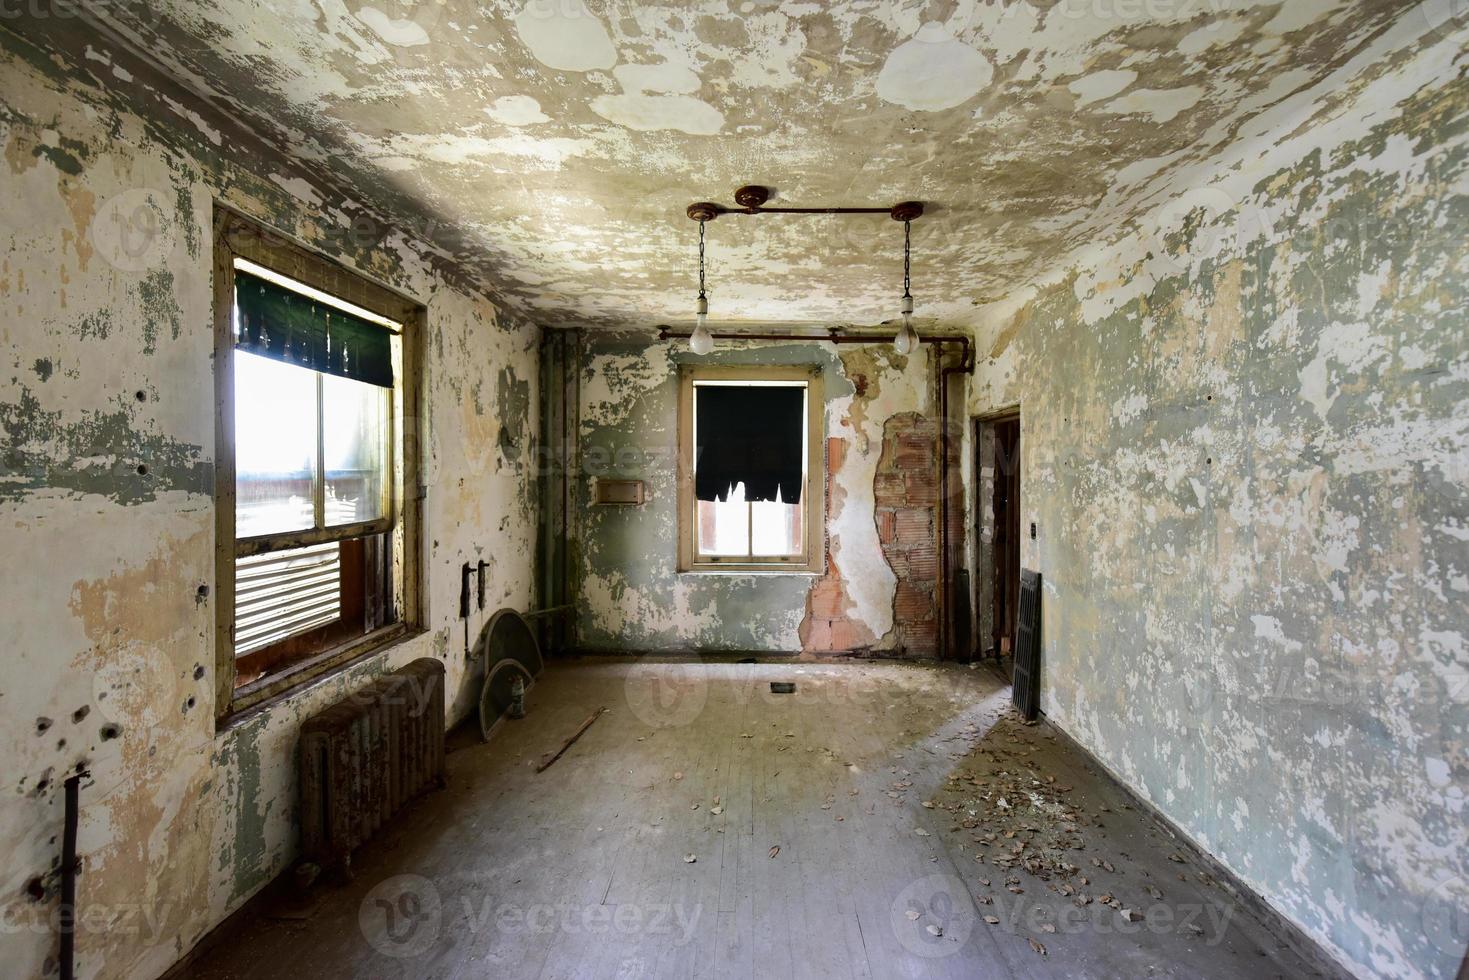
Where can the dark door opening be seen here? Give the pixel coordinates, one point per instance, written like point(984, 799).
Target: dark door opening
point(999, 534)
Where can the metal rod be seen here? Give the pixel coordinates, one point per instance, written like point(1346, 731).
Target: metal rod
point(751, 199)
point(67, 917)
point(764, 210)
point(549, 611)
point(551, 757)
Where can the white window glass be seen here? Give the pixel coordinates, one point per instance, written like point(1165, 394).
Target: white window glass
point(776, 528)
point(275, 446)
point(354, 437)
point(724, 525)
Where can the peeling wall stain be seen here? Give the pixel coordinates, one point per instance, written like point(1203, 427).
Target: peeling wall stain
point(159, 307)
point(632, 597)
point(513, 405)
point(97, 452)
point(106, 513)
point(1244, 444)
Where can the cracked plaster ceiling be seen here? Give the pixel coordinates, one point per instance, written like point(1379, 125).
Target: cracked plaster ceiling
point(551, 147)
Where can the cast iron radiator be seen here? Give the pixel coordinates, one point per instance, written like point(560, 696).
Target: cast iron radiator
point(1026, 681)
point(368, 756)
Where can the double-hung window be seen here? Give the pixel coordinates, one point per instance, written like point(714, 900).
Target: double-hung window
point(312, 396)
point(750, 459)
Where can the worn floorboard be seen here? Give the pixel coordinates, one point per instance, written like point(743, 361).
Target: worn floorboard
point(905, 800)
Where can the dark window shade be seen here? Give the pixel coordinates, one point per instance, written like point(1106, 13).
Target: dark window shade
point(287, 326)
point(749, 434)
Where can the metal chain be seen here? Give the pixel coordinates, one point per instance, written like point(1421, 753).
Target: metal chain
point(701, 259)
point(907, 258)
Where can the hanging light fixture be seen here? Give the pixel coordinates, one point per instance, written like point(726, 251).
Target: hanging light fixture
point(751, 200)
point(907, 337)
point(701, 341)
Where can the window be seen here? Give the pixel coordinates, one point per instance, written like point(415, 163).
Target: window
point(750, 469)
point(315, 399)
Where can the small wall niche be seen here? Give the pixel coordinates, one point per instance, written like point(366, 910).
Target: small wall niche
point(618, 493)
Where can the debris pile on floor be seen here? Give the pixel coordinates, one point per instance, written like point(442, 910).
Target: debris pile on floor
point(1021, 820)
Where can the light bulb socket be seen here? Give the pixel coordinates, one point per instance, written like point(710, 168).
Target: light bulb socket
point(701, 305)
point(907, 305)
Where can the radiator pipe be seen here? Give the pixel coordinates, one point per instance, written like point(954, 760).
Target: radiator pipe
point(965, 366)
point(566, 374)
point(834, 336)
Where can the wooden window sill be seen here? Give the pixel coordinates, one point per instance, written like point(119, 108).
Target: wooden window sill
point(260, 696)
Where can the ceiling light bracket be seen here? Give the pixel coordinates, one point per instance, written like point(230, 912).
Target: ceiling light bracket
point(752, 196)
point(751, 199)
point(907, 211)
point(704, 211)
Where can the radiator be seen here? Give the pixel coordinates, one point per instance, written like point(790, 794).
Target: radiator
point(368, 756)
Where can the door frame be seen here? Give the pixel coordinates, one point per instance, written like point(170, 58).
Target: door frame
point(985, 473)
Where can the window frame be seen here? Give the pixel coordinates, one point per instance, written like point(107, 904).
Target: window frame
point(813, 557)
point(236, 236)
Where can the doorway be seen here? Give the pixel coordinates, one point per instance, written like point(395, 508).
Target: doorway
point(997, 592)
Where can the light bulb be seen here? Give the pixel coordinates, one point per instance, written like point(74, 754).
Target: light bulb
point(907, 337)
point(701, 341)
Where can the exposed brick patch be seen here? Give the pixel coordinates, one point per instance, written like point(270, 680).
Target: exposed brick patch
point(887, 527)
point(914, 526)
point(905, 491)
point(912, 604)
point(905, 497)
point(826, 628)
point(889, 489)
point(922, 486)
point(923, 563)
point(827, 599)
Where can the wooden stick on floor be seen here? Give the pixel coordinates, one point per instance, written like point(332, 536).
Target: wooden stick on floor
point(546, 760)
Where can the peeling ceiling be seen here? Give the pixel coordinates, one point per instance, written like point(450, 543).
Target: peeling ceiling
point(551, 147)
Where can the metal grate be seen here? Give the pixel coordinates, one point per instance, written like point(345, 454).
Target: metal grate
point(1026, 680)
point(282, 593)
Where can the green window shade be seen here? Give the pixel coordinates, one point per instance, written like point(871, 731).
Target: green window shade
point(287, 326)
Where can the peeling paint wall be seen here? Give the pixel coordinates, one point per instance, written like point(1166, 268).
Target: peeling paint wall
point(630, 593)
point(106, 516)
point(1244, 439)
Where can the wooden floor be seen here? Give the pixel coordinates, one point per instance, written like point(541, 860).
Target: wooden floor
point(862, 827)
